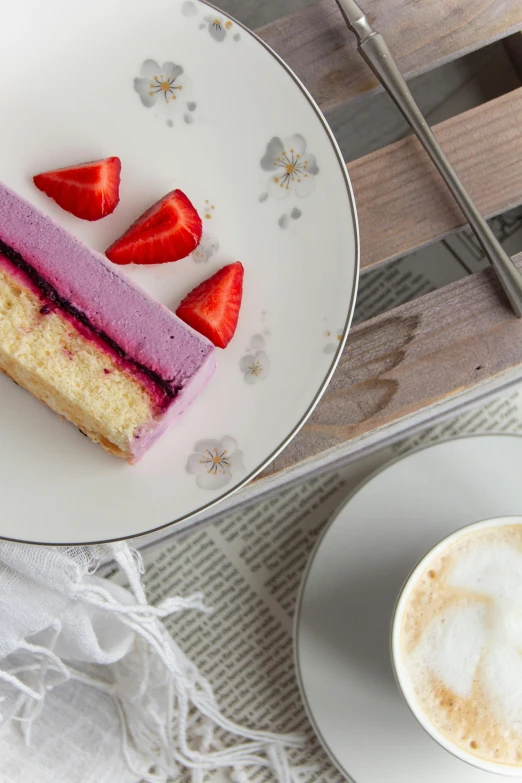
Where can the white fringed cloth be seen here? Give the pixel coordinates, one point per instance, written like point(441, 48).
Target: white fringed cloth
point(93, 689)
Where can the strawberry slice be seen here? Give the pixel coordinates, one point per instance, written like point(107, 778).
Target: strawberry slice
point(212, 308)
point(90, 190)
point(171, 229)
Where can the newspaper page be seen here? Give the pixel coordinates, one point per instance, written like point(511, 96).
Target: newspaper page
point(249, 566)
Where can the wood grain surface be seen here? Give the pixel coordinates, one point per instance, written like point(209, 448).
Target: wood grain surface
point(422, 356)
point(403, 203)
point(422, 34)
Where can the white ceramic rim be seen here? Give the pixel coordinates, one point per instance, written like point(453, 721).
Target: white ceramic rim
point(399, 668)
point(181, 522)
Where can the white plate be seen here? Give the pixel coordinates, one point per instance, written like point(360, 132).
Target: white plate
point(76, 87)
point(348, 594)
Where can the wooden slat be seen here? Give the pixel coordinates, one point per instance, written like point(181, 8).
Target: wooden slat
point(402, 202)
point(422, 35)
point(426, 355)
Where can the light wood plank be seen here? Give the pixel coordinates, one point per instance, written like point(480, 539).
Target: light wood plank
point(425, 356)
point(402, 202)
point(422, 35)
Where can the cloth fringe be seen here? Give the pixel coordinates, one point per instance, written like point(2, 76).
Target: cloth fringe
point(170, 721)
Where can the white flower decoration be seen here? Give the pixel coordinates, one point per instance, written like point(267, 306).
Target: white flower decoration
point(189, 8)
point(159, 83)
point(255, 366)
point(218, 27)
point(332, 347)
point(293, 169)
point(215, 462)
point(206, 248)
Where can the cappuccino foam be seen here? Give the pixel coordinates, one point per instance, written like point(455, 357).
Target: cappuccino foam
point(461, 643)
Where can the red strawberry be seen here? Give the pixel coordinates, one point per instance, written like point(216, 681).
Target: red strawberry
point(171, 229)
point(212, 308)
point(90, 191)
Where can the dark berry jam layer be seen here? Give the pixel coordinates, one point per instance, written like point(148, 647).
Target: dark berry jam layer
point(165, 391)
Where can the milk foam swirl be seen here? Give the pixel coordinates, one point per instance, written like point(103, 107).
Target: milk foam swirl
point(462, 643)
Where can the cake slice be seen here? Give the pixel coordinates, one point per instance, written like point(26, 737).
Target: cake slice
point(88, 342)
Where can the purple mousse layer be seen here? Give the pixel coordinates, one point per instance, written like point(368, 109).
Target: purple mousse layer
point(108, 303)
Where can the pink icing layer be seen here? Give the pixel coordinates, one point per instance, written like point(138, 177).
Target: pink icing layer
point(146, 330)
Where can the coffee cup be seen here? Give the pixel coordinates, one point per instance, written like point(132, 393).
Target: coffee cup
point(457, 644)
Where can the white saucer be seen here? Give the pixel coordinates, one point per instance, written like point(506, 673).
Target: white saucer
point(349, 590)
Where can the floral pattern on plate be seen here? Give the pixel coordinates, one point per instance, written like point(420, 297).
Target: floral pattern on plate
point(255, 365)
point(215, 462)
point(217, 25)
point(189, 8)
point(159, 83)
point(209, 243)
point(292, 169)
point(331, 347)
point(206, 249)
point(284, 220)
